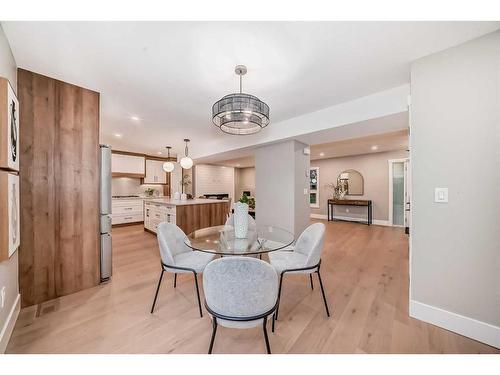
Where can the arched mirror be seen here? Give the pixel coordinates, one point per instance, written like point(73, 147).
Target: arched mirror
point(351, 182)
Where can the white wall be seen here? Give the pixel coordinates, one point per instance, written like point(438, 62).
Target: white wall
point(373, 167)
point(213, 179)
point(280, 179)
point(8, 268)
point(455, 143)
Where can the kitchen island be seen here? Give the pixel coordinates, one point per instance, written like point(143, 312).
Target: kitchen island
point(189, 215)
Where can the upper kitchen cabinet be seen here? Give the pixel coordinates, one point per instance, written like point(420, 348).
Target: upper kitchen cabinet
point(9, 127)
point(128, 165)
point(154, 172)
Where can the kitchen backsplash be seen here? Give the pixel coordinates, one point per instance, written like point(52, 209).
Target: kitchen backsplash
point(131, 186)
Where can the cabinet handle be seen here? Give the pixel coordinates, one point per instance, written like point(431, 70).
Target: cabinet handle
point(128, 218)
point(127, 208)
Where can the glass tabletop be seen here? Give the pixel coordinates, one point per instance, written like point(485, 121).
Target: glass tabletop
point(221, 240)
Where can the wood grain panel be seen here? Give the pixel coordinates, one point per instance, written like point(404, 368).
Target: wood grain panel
point(197, 216)
point(59, 171)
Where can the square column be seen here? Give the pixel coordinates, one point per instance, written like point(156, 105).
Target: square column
point(282, 186)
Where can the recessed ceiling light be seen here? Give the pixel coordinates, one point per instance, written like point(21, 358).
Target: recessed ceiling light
point(135, 118)
point(118, 135)
point(374, 147)
point(321, 154)
point(238, 165)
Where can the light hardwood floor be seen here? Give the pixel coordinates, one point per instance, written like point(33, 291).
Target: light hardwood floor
point(364, 269)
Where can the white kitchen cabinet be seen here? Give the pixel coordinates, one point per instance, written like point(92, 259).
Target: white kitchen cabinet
point(132, 165)
point(154, 172)
point(125, 211)
point(155, 213)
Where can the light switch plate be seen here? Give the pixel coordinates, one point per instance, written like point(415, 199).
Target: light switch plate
point(441, 195)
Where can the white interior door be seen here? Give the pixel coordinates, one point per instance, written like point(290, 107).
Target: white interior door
point(398, 192)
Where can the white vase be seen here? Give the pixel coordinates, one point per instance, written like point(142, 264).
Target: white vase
point(176, 196)
point(184, 197)
point(240, 220)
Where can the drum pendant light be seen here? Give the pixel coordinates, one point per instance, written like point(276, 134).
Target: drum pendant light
point(240, 114)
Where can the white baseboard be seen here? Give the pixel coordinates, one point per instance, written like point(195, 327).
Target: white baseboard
point(475, 329)
point(8, 327)
point(347, 218)
point(319, 216)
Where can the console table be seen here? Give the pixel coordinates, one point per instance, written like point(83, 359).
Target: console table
point(349, 202)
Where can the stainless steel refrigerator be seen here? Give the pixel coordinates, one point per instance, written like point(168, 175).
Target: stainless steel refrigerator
point(105, 210)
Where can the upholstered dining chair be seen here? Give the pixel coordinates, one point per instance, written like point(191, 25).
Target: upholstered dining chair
point(177, 257)
point(240, 292)
point(251, 222)
point(304, 257)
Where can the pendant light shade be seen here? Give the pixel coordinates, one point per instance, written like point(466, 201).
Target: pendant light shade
point(168, 166)
point(186, 161)
point(240, 113)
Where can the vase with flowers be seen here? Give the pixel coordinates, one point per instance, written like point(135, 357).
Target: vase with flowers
point(338, 191)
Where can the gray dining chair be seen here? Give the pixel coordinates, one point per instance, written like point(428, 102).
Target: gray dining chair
point(304, 257)
point(177, 257)
point(240, 292)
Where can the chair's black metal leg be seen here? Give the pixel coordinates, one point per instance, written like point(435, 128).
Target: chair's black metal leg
point(279, 296)
point(260, 256)
point(197, 292)
point(311, 279)
point(175, 280)
point(157, 290)
point(265, 336)
point(214, 331)
point(274, 316)
point(323, 292)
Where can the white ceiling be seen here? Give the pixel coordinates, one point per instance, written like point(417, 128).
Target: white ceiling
point(169, 74)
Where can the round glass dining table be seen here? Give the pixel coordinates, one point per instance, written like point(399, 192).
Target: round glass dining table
point(221, 240)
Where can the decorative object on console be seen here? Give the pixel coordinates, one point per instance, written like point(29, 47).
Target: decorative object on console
point(177, 195)
point(240, 114)
point(338, 191)
point(186, 161)
point(168, 166)
point(241, 218)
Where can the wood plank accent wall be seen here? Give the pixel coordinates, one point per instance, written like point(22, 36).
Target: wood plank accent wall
point(59, 137)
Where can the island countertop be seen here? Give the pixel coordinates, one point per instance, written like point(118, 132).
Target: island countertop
point(178, 202)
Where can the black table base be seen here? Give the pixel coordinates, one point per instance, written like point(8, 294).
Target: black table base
point(331, 210)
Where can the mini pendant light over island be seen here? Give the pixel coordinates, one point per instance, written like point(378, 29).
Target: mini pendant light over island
point(240, 114)
point(168, 166)
point(186, 161)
